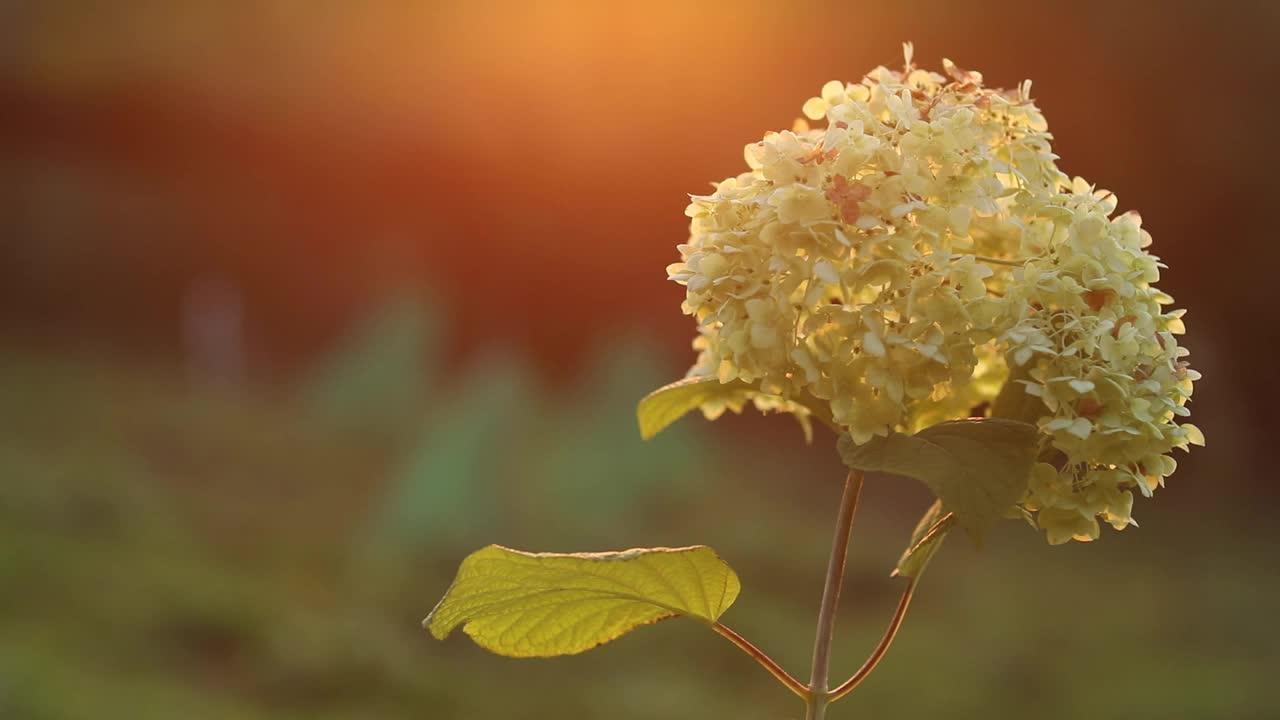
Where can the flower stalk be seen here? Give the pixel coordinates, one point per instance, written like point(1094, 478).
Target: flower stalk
point(819, 698)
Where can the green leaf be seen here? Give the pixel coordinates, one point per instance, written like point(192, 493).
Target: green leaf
point(978, 468)
point(671, 402)
point(523, 604)
point(1013, 402)
point(925, 541)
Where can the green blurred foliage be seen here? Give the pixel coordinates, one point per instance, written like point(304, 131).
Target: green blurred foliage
point(379, 378)
point(437, 496)
point(176, 549)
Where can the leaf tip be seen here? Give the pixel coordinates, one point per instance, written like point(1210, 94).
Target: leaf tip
point(646, 432)
point(436, 631)
point(430, 627)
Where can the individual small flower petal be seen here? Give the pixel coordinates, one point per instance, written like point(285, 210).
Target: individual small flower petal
point(815, 108)
point(826, 271)
point(1062, 526)
point(872, 344)
point(1193, 434)
point(1081, 386)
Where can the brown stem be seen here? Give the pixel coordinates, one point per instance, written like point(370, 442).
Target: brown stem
point(818, 697)
point(878, 654)
point(765, 661)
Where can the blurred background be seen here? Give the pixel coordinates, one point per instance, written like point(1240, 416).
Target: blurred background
point(300, 302)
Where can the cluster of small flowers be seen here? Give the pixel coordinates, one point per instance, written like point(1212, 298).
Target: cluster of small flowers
point(906, 261)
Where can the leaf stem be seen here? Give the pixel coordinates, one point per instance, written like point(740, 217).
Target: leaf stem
point(765, 661)
point(878, 654)
point(999, 261)
point(818, 696)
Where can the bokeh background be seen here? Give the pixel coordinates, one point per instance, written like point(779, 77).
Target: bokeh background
point(301, 301)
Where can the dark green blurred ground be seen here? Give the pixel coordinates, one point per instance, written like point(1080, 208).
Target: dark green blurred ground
point(179, 549)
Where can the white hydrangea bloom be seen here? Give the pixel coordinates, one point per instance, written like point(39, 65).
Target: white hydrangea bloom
point(900, 261)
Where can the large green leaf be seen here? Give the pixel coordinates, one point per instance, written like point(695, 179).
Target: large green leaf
point(523, 604)
point(925, 541)
point(671, 402)
point(978, 468)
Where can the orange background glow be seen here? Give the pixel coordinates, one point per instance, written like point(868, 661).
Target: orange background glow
point(519, 170)
point(531, 160)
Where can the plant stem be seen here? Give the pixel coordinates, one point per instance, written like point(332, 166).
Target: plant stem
point(999, 261)
point(765, 661)
point(818, 696)
point(878, 654)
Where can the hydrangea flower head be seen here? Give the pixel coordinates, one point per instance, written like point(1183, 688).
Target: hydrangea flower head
point(916, 250)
